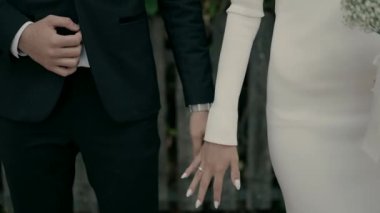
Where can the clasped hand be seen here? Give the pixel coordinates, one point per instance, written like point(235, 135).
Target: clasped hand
point(57, 53)
point(210, 162)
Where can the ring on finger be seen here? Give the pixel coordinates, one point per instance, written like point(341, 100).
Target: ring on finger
point(200, 169)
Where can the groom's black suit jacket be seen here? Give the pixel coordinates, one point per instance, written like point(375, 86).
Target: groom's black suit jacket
point(116, 37)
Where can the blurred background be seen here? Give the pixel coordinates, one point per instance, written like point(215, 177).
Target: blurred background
point(260, 192)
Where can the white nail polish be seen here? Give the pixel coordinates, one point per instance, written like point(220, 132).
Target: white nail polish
point(184, 175)
point(237, 184)
point(216, 204)
point(198, 204)
point(189, 193)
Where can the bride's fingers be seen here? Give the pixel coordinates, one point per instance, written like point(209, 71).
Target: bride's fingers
point(205, 182)
point(218, 188)
point(192, 168)
point(194, 183)
point(235, 174)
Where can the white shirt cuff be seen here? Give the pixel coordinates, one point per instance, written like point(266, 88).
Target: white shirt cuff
point(14, 47)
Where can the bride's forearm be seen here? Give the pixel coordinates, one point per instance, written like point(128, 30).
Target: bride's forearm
point(240, 33)
point(234, 58)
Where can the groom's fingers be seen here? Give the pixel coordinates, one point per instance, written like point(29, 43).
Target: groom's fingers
point(69, 40)
point(192, 168)
point(69, 52)
point(197, 145)
point(62, 71)
point(197, 129)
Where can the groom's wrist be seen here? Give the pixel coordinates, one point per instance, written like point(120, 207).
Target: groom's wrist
point(16, 52)
point(200, 107)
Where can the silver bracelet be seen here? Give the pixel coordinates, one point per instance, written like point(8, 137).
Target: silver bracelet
point(200, 107)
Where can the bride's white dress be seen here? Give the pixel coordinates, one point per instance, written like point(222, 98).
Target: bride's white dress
point(319, 96)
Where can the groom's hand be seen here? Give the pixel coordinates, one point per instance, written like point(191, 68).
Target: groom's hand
point(198, 121)
point(58, 54)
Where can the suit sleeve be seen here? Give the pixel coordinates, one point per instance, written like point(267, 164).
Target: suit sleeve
point(11, 20)
point(186, 31)
point(243, 22)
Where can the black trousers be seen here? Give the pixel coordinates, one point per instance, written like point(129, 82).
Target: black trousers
point(121, 158)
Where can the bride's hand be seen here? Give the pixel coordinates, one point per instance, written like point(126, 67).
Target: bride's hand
point(212, 163)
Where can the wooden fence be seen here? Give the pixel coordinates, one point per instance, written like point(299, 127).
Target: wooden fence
point(260, 191)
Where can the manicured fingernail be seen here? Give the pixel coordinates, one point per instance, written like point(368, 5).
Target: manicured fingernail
point(184, 175)
point(198, 204)
point(216, 204)
point(189, 193)
point(237, 184)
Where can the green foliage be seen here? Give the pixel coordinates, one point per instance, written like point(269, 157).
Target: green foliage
point(2, 210)
point(212, 7)
point(151, 7)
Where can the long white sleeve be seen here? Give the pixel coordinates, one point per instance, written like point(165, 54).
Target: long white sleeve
point(243, 22)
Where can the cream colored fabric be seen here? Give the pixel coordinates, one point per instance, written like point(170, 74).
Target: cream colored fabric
point(318, 105)
point(242, 25)
point(371, 142)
